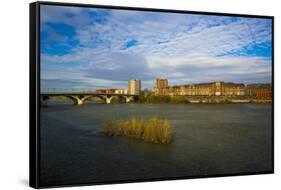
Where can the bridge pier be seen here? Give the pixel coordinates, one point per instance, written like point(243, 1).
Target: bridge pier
point(78, 100)
point(127, 98)
point(107, 99)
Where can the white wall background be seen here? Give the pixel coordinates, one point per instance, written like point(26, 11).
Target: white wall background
point(14, 73)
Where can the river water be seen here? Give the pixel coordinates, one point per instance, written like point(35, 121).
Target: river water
point(208, 139)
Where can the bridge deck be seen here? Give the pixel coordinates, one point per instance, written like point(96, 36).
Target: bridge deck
point(85, 94)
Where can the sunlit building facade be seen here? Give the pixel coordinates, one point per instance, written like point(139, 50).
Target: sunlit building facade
point(259, 91)
point(201, 89)
point(134, 87)
point(161, 87)
point(111, 91)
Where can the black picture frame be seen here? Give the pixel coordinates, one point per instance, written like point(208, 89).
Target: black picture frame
point(34, 90)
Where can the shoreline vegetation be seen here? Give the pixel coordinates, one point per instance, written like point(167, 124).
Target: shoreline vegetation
point(199, 99)
point(153, 130)
point(151, 98)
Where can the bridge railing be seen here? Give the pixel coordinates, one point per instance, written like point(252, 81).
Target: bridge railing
point(65, 91)
point(77, 91)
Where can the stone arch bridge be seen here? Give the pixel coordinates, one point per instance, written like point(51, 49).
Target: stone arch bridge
point(80, 98)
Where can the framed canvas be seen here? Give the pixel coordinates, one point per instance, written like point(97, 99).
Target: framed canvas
point(123, 94)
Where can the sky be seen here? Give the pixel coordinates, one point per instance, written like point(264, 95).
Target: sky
point(91, 48)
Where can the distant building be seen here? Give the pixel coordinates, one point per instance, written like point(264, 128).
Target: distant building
point(161, 87)
point(106, 91)
point(233, 89)
point(134, 87)
point(201, 89)
point(264, 94)
point(259, 91)
point(121, 91)
point(111, 91)
point(161, 83)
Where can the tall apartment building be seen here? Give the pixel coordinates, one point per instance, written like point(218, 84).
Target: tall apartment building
point(161, 83)
point(161, 87)
point(134, 87)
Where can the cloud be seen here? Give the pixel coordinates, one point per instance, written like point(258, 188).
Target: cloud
point(194, 68)
point(119, 67)
point(113, 46)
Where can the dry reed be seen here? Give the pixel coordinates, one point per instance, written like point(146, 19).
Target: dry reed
point(153, 130)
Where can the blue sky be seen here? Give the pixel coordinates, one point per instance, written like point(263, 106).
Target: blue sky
point(88, 48)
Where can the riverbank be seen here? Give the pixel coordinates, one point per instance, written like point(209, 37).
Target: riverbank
point(201, 99)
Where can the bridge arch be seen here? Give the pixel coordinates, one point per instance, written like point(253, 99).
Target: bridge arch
point(79, 99)
point(128, 98)
point(107, 98)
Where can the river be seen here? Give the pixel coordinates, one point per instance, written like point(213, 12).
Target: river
point(208, 139)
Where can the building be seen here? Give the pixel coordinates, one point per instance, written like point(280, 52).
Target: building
point(161, 83)
point(134, 87)
point(121, 91)
point(233, 89)
point(259, 91)
point(263, 94)
point(106, 91)
point(161, 87)
point(111, 91)
point(218, 88)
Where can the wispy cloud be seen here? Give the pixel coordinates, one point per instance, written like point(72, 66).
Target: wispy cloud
point(103, 47)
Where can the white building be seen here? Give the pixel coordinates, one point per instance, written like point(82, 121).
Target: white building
point(134, 87)
point(121, 91)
